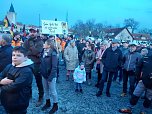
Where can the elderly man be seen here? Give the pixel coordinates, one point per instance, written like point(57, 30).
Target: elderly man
point(5, 51)
point(111, 60)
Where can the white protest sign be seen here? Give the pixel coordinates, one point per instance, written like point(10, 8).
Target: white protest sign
point(54, 27)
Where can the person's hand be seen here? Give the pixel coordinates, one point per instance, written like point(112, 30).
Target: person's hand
point(6, 81)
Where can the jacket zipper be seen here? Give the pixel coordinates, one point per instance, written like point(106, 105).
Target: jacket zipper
point(129, 62)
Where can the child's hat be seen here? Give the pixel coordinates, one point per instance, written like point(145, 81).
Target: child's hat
point(82, 63)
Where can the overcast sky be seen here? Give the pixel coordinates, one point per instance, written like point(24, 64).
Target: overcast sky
point(105, 11)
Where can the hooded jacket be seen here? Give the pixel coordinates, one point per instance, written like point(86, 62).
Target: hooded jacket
point(79, 75)
point(15, 96)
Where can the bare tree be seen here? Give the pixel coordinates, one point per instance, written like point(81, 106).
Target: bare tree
point(131, 23)
point(145, 30)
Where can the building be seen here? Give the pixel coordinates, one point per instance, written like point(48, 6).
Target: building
point(117, 33)
point(141, 38)
point(11, 15)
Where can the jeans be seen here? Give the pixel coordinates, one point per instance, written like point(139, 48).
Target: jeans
point(38, 79)
point(50, 87)
point(106, 75)
point(78, 86)
point(132, 81)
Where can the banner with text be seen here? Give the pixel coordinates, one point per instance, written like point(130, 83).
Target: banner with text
point(54, 27)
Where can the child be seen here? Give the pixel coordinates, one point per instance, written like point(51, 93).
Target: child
point(16, 83)
point(49, 74)
point(79, 76)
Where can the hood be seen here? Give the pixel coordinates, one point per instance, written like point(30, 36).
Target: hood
point(25, 63)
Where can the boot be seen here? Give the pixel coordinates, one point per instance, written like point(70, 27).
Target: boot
point(99, 93)
point(89, 82)
point(54, 108)
point(67, 77)
point(39, 102)
point(47, 105)
point(81, 91)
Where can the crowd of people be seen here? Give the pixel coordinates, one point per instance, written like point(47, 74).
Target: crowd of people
point(35, 55)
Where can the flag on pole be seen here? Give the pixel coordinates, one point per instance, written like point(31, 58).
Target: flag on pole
point(24, 31)
point(6, 22)
point(11, 30)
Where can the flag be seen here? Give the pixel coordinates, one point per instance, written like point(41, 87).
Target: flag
point(6, 22)
point(24, 31)
point(11, 30)
point(67, 16)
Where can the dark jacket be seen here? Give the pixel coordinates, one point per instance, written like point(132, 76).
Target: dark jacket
point(130, 60)
point(5, 56)
point(15, 96)
point(34, 46)
point(88, 58)
point(49, 65)
point(112, 59)
point(144, 71)
point(124, 50)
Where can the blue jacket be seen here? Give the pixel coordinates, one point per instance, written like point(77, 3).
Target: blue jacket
point(112, 59)
point(5, 56)
point(49, 65)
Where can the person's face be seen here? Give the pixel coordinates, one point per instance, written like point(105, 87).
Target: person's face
point(125, 45)
point(143, 53)
point(83, 41)
point(46, 46)
point(87, 43)
point(73, 44)
point(114, 44)
point(18, 58)
point(81, 67)
point(132, 48)
point(102, 47)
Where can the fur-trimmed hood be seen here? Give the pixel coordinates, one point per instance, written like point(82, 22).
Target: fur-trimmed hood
point(25, 63)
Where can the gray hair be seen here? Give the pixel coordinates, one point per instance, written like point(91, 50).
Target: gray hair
point(7, 38)
point(145, 50)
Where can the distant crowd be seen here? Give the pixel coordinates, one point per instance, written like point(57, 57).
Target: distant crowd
point(23, 57)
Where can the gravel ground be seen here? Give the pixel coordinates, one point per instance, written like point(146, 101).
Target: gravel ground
point(86, 103)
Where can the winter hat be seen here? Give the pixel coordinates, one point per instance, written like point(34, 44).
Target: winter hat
point(115, 41)
point(82, 63)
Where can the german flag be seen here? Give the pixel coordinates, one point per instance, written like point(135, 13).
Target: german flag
point(24, 31)
point(11, 30)
point(6, 22)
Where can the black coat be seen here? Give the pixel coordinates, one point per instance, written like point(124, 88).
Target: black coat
point(5, 56)
point(144, 69)
point(112, 59)
point(49, 65)
point(15, 96)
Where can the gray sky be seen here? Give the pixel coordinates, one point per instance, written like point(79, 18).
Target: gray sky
point(105, 11)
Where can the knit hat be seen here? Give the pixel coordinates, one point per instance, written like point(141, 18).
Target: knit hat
point(82, 63)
